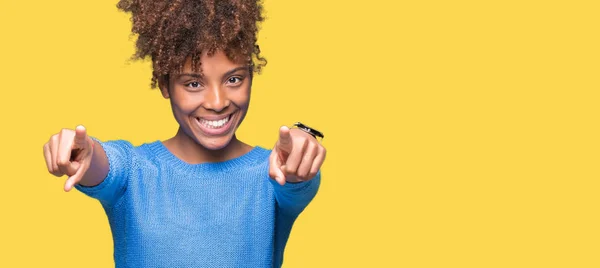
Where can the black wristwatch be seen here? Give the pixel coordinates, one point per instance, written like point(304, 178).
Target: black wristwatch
point(315, 133)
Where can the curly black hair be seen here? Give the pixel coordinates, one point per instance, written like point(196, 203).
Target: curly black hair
point(169, 32)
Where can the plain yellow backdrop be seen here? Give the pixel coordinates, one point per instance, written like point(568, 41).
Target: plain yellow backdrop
point(459, 133)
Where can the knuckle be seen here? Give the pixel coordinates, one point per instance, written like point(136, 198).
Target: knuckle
point(62, 171)
point(310, 145)
point(292, 169)
point(300, 142)
point(289, 171)
point(314, 170)
point(62, 162)
point(65, 132)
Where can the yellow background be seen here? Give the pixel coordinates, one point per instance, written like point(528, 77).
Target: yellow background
point(459, 133)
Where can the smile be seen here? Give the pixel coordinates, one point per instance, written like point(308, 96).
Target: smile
point(214, 123)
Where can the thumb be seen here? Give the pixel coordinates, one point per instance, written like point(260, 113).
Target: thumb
point(75, 178)
point(80, 141)
point(275, 171)
point(285, 139)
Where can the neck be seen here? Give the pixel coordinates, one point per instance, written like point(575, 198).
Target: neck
point(188, 150)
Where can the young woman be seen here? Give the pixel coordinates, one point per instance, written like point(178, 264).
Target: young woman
point(202, 198)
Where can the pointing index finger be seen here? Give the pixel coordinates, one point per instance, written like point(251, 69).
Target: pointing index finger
point(80, 137)
point(284, 143)
point(284, 136)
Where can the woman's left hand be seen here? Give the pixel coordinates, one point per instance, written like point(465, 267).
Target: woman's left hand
point(297, 156)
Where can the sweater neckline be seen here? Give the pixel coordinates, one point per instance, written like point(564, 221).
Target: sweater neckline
point(248, 159)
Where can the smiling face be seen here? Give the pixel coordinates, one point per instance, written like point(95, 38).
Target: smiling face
point(210, 105)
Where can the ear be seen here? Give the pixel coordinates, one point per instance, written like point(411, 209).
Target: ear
point(163, 84)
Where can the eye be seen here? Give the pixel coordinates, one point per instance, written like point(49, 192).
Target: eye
point(193, 85)
point(234, 80)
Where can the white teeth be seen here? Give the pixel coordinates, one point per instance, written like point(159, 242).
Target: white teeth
point(214, 124)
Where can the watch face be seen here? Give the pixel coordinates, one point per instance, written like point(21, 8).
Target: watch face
point(311, 131)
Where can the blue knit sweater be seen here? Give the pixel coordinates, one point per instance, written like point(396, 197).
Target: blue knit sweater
point(164, 212)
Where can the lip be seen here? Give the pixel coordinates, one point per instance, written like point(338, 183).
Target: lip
point(216, 131)
point(215, 117)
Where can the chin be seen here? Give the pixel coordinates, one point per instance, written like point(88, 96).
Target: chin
point(214, 144)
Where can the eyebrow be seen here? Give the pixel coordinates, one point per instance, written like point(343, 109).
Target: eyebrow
point(235, 70)
point(194, 75)
point(228, 73)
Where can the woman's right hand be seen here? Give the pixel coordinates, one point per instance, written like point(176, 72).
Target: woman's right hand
point(69, 152)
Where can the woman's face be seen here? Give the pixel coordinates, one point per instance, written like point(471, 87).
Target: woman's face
point(209, 107)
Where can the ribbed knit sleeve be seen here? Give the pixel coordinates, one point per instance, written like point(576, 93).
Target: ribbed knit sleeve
point(292, 198)
point(120, 161)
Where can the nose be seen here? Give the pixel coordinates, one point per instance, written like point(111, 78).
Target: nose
point(216, 99)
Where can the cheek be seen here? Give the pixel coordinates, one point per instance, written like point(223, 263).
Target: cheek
point(241, 98)
point(183, 104)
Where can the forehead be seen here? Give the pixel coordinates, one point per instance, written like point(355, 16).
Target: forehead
point(215, 64)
